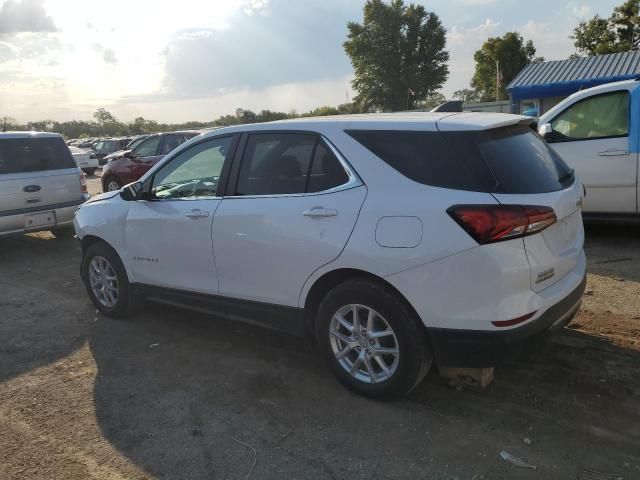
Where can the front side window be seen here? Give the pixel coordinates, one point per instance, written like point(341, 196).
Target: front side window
point(195, 172)
point(288, 163)
point(149, 147)
point(600, 116)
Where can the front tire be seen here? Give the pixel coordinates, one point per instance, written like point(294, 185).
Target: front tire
point(112, 184)
point(371, 339)
point(106, 281)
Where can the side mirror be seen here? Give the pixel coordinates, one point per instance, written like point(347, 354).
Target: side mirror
point(132, 191)
point(545, 130)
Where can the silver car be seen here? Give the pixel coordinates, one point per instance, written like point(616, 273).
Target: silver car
point(41, 186)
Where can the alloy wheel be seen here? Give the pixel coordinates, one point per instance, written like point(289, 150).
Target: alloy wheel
point(364, 344)
point(112, 185)
point(103, 281)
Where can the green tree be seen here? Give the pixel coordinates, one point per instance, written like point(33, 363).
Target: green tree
point(398, 55)
point(618, 33)
point(432, 101)
point(467, 95)
point(104, 117)
point(510, 53)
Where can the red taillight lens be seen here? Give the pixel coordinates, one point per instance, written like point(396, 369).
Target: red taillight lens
point(494, 223)
point(83, 183)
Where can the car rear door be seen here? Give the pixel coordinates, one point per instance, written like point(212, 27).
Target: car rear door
point(36, 174)
point(291, 205)
point(592, 135)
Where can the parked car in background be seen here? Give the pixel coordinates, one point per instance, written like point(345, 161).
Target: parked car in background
point(134, 163)
point(130, 146)
point(596, 132)
point(86, 142)
point(104, 147)
point(86, 160)
point(399, 240)
point(41, 186)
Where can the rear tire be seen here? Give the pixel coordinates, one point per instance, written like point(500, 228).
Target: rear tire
point(107, 283)
point(356, 355)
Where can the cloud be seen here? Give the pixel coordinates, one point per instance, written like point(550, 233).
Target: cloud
point(109, 56)
point(461, 35)
point(286, 42)
point(25, 16)
point(579, 11)
point(552, 44)
point(477, 2)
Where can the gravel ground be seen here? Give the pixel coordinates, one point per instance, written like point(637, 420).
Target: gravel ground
point(177, 395)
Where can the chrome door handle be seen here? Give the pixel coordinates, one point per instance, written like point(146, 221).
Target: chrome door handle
point(320, 212)
point(613, 153)
point(196, 213)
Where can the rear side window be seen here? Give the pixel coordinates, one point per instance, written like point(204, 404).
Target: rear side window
point(326, 171)
point(19, 155)
point(171, 142)
point(424, 157)
point(288, 163)
point(512, 160)
point(275, 164)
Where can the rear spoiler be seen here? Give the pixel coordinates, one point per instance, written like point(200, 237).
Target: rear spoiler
point(449, 106)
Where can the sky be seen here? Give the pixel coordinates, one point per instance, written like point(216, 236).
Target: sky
point(199, 59)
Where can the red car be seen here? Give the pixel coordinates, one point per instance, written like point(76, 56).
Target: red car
point(134, 163)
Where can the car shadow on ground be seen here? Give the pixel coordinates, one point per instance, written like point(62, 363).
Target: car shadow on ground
point(613, 251)
point(178, 391)
point(39, 323)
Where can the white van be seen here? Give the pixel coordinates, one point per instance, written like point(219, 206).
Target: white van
point(597, 132)
point(41, 186)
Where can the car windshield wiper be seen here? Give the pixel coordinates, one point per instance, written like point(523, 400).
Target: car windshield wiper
point(566, 176)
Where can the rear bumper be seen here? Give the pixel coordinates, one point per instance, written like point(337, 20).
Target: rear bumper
point(481, 349)
point(13, 222)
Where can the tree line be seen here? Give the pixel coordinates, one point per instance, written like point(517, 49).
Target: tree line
point(400, 62)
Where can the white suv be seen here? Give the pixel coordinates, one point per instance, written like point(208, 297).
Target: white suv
point(41, 185)
point(397, 240)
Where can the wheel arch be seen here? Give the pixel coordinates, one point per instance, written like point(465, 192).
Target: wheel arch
point(329, 280)
point(89, 240)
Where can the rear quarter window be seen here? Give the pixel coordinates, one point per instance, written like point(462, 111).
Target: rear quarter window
point(516, 159)
point(424, 157)
point(19, 155)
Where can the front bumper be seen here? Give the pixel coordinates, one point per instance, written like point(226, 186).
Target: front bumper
point(483, 349)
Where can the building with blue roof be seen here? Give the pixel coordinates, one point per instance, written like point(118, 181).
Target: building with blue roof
point(540, 86)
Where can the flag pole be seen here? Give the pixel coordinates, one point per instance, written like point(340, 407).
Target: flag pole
point(497, 80)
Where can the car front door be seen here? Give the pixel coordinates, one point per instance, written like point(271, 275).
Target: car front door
point(290, 208)
point(168, 234)
point(144, 156)
point(592, 136)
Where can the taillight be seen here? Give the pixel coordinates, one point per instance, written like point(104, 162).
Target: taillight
point(83, 183)
point(494, 223)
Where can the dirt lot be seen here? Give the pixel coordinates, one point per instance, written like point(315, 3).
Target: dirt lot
point(173, 394)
